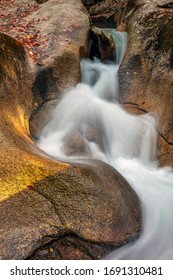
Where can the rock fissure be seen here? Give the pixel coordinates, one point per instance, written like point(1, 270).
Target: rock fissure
point(52, 204)
point(72, 243)
point(82, 247)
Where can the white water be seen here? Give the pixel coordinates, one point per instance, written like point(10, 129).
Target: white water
point(89, 123)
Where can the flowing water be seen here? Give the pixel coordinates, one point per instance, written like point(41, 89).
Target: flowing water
point(89, 123)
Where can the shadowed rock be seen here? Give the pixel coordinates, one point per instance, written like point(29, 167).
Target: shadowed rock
point(102, 45)
point(41, 1)
point(166, 4)
point(107, 13)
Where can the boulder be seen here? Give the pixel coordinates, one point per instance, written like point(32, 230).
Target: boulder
point(55, 34)
point(82, 202)
point(66, 28)
point(102, 45)
point(146, 74)
point(76, 145)
point(77, 203)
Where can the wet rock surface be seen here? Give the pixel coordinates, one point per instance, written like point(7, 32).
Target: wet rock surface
point(102, 45)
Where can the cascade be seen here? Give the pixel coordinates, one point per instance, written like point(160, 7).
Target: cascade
point(89, 123)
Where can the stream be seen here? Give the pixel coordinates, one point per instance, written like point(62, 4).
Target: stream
point(89, 123)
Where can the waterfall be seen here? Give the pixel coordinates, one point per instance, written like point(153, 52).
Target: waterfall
point(89, 123)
